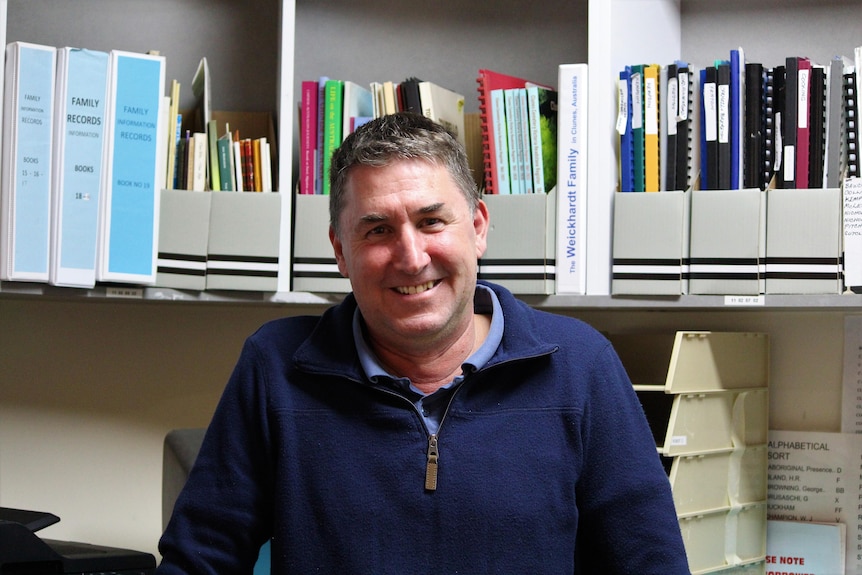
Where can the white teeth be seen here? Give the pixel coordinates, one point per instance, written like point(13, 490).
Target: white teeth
point(411, 290)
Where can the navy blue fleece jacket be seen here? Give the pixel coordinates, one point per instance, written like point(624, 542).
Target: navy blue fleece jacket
point(546, 463)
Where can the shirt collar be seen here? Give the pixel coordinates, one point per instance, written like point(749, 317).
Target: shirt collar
point(485, 301)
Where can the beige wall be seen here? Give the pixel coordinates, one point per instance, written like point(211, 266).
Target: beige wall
point(88, 389)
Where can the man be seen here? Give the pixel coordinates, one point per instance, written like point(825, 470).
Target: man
point(427, 424)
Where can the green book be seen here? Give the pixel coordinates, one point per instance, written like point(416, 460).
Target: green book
point(332, 124)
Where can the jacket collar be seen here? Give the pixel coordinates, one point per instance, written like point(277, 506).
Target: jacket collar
point(330, 348)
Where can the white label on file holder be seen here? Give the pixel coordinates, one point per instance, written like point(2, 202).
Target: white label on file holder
point(802, 115)
point(672, 105)
point(650, 106)
point(724, 114)
point(623, 107)
point(709, 112)
point(637, 102)
point(682, 110)
point(679, 440)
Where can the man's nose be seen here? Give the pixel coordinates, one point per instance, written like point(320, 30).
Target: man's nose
point(411, 256)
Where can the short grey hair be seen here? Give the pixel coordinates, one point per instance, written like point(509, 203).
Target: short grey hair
point(400, 136)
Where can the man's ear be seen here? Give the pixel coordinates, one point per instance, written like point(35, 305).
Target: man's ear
point(338, 248)
point(481, 222)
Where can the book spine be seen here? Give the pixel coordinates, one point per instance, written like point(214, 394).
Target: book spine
point(638, 151)
point(737, 111)
point(686, 115)
point(248, 183)
point(333, 110)
point(513, 142)
point(624, 129)
point(487, 128)
point(572, 178)
point(651, 124)
point(537, 167)
point(131, 216)
point(225, 165)
point(670, 103)
point(27, 154)
point(257, 159)
point(725, 127)
point(851, 123)
point(834, 122)
point(500, 144)
point(818, 126)
point(803, 122)
point(753, 143)
point(308, 137)
point(78, 155)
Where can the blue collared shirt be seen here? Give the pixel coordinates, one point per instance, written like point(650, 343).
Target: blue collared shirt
point(433, 406)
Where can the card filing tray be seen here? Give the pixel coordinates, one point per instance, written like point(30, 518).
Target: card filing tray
point(650, 243)
point(183, 239)
point(695, 361)
point(725, 539)
point(243, 250)
point(715, 481)
point(521, 242)
point(803, 241)
point(705, 396)
point(313, 268)
point(694, 423)
point(725, 242)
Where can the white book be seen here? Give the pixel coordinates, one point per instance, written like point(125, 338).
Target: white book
point(444, 107)
point(572, 115)
point(501, 140)
point(199, 166)
point(25, 192)
point(79, 131)
point(358, 103)
point(129, 230)
point(237, 167)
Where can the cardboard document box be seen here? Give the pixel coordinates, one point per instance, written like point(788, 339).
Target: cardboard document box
point(243, 249)
point(521, 242)
point(183, 239)
point(650, 243)
point(314, 268)
point(725, 242)
point(803, 241)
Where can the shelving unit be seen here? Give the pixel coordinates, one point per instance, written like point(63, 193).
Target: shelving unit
point(91, 380)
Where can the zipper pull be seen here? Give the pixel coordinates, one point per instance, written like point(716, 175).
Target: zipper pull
point(431, 467)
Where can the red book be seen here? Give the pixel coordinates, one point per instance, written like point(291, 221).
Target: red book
point(803, 119)
point(489, 80)
point(307, 136)
point(247, 165)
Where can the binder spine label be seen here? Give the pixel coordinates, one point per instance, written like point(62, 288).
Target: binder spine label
point(34, 108)
point(134, 200)
point(83, 129)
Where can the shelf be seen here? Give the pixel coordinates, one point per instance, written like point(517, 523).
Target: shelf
point(830, 302)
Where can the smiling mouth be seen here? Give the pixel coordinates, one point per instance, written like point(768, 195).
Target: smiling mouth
point(417, 289)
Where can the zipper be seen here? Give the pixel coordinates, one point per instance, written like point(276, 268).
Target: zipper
point(432, 456)
point(431, 465)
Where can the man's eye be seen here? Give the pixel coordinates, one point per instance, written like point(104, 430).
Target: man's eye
point(376, 231)
point(432, 221)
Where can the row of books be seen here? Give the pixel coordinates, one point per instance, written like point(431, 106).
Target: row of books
point(738, 124)
point(330, 109)
point(83, 161)
point(206, 155)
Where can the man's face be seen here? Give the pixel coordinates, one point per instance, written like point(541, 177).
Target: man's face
point(410, 245)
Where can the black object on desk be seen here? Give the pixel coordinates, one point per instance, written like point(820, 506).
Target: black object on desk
point(24, 552)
